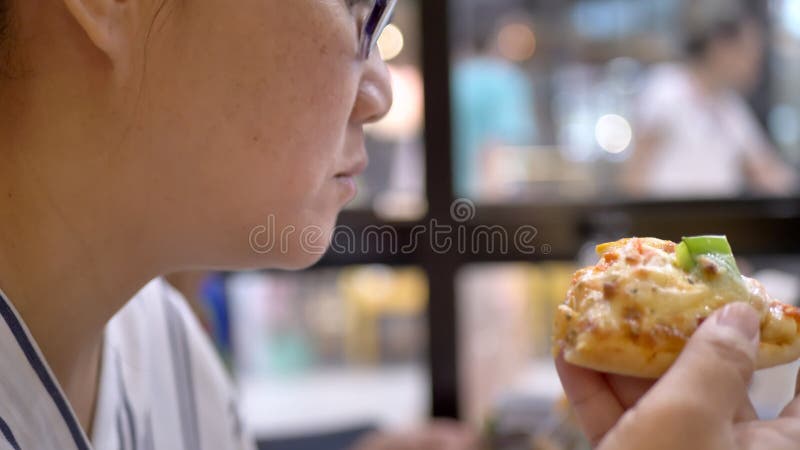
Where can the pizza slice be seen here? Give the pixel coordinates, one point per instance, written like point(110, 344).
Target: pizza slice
point(632, 313)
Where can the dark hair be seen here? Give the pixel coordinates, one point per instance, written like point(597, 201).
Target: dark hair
point(3, 19)
point(696, 46)
point(708, 21)
point(5, 37)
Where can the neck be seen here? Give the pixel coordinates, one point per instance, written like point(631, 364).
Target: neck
point(706, 78)
point(70, 257)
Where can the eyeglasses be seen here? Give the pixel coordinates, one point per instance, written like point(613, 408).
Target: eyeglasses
point(373, 16)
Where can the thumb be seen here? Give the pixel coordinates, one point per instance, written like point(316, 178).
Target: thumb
point(712, 374)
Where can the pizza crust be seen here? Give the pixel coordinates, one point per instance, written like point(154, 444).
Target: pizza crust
point(626, 358)
point(771, 355)
point(621, 358)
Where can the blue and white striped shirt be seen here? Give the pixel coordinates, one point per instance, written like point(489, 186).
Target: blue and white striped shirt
point(162, 386)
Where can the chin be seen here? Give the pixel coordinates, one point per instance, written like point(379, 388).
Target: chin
point(298, 262)
point(301, 255)
point(290, 245)
point(278, 260)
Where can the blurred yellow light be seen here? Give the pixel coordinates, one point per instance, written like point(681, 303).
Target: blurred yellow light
point(391, 42)
point(517, 42)
point(613, 133)
point(405, 118)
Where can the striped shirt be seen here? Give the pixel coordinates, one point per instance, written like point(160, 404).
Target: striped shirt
point(162, 386)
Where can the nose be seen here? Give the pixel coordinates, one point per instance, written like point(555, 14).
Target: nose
point(374, 91)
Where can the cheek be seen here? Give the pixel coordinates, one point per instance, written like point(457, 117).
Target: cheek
point(299, 124)
point(259, 94)
point(747, 69)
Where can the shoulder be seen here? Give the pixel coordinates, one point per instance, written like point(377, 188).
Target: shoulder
point(743, 124)
point(669, 73)
point(666, 95)
point(167, 358)
point(667, 81)
point(158, 319)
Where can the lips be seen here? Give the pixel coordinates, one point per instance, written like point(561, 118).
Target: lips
point(355, 169)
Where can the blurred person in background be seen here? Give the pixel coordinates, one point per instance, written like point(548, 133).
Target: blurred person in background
point(695, 134)
point(492, 106)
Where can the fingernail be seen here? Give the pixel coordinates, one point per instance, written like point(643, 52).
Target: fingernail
point(742, 318)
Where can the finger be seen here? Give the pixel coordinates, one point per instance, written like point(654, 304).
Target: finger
point(448, 434)
point(710, 378)
point(778, 434)
point(793, 408)
point(746, 412)
point(377, 441)
point(629, 390)
point(593, 401)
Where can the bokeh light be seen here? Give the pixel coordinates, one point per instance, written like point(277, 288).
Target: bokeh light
point(613, 133)
point(517, 42)
point(784, 124)
point(405, 117)
point(790, 15)
point(391, 42)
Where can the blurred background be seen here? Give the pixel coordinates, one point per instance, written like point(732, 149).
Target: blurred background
point(589, 120)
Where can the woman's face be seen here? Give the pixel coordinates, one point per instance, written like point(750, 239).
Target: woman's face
point(249, 126)
point(739, 59)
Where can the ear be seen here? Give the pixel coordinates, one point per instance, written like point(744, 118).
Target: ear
point(109, 24)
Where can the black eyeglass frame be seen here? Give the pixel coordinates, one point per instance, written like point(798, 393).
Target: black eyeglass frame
point(374, 24)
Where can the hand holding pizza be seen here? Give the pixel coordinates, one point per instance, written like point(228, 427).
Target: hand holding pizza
point(438, 435)
point(700, 403)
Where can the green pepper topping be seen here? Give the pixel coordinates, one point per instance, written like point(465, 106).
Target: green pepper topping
point(705, 245)
point(716, 247)
point(685, 260)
